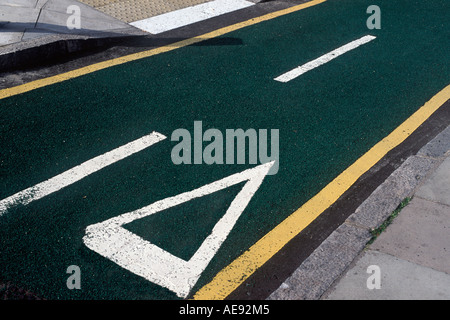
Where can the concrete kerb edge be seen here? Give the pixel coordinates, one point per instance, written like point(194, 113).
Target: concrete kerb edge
point(318, 274)
point(57, 44)
point(34, 53)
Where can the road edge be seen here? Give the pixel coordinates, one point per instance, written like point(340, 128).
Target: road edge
point(320, 272)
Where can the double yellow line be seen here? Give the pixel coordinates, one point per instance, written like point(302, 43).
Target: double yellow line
point(228, 279)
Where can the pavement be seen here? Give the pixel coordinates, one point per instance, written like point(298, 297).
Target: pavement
point(409, 260)
point(46, 29)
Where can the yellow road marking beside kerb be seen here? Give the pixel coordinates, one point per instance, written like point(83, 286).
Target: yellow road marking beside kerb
point(136, 56)
point(227, 280)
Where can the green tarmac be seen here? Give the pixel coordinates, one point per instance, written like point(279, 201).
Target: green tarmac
point(327, 119)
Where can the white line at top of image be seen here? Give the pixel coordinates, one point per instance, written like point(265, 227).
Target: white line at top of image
point(186, 16)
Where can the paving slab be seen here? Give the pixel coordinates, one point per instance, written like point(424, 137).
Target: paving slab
point(399, 280)
point(19, 3)
point(437, 187)
point(9, 37)
point(38, 30)
point(49, 17)
point(92, 23)
point(420, 234)
point(18, 16)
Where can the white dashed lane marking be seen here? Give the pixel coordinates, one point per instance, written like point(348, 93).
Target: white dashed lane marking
point(290, 75)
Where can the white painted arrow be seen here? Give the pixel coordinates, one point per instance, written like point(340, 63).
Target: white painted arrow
point(111, 240)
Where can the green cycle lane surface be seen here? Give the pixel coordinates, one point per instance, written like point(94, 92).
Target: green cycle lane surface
point(327, 118)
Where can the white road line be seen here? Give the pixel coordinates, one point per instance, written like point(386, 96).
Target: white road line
point(79, 172)
point(288, 76)
point(111, 240)
point(179, 18)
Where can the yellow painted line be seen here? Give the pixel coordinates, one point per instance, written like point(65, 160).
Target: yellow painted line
point(136, 56)
point(227, 280)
